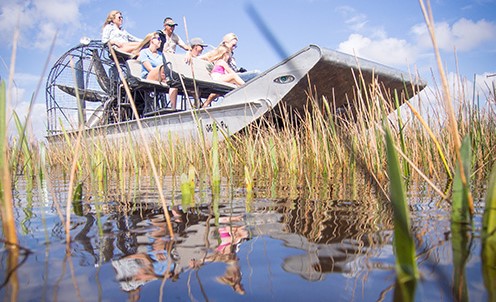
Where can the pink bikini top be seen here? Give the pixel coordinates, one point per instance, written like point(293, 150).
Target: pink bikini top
point(218, 69)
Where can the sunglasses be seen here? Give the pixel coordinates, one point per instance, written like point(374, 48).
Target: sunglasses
point(120, 17)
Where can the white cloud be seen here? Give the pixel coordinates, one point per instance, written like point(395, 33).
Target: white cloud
point(37, 123)
point(44, 38)
point(486, 87)
point(462, 89)
point(356, 21)
point(431, 105)
point(38, 20)
point(11, 17)
point(372, 42)
point(20, 99)
point(58, 11)
point(375, 44)
point(464, 34)
point(389, 51)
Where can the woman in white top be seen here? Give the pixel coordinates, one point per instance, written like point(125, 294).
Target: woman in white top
point(117, 36)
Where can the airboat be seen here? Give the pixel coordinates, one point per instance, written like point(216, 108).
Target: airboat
point(90, 89)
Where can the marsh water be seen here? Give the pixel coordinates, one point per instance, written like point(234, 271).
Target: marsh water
point(278, 244)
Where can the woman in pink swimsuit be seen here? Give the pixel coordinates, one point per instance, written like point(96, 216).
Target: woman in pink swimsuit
point(221, 70)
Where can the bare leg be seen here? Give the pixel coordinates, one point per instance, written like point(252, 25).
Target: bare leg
point(232, 78)
point(130, 47)
point(209, 100)
point(155, 74)
point(173, 97)
point(236, 79)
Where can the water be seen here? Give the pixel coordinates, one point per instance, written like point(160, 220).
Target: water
point(234, 248)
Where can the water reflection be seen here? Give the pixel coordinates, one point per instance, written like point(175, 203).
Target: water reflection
point(230, 236)
point(330, 236)
point(333, 235)
point(233, 248)
point(134, 270)
point(142, 250)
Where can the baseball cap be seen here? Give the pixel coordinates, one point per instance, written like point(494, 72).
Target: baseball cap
point(170, 22)
point(197, 41)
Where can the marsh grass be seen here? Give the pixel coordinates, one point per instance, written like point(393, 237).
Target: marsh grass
point(306, 156)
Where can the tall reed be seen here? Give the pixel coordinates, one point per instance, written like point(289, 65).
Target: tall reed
point(6, 207)
point(307, 156)
point(147, 149)
point(447, 101)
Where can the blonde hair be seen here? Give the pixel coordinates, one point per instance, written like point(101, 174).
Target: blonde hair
point(111, 17)
point(228, 38)
point(148, 38)
point(217, 53)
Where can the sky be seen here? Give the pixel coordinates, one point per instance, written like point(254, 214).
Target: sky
point(389, 32)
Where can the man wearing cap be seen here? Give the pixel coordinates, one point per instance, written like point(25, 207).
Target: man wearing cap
point(197, 45)
point(169, 39)
point(169, 42)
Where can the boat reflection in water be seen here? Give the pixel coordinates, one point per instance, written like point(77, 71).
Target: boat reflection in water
point(149, 254)
point(334, 236)
point(330, 237)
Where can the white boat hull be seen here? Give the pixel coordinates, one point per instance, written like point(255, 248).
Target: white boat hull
point(313, 71)
point(185, 125)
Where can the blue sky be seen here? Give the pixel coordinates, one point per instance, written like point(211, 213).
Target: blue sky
point(390, 32)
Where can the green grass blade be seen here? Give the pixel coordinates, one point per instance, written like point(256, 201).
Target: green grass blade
point(460, 220)
point(460, 211)
point(273, 158)
point(489, 218)
point(77, 199)
point(191, 181)
point(489, 238)
point(460, 245)
point(186, 197)
point(215, 161)
point(41, 161)
point(404, 245)
point(401, 132)
point(14, 157)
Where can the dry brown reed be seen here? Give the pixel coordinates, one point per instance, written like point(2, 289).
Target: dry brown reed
point(145, 144)
point(448, 102)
